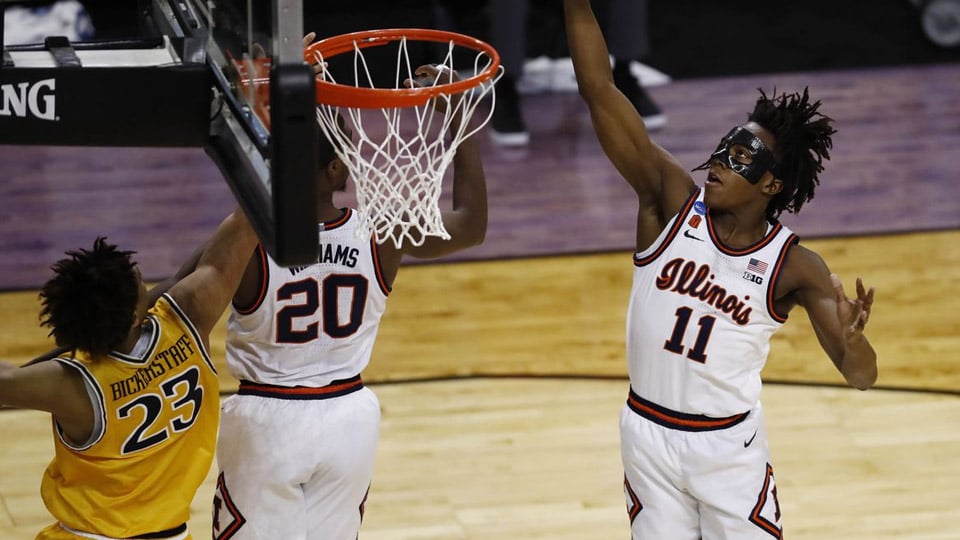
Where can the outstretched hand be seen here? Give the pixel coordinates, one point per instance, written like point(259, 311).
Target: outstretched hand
point(318, 66)
point(853, 314)
point(432, 75)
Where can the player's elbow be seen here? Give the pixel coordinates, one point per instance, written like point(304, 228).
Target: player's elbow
point(597, 89)
point(469, 225)
point(862, 379)
point(591, 93)
point(474, 236)
point(586, 90)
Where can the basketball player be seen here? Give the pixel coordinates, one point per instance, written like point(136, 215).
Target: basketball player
point(297, 442)
point(715, 275)
point(135, 402)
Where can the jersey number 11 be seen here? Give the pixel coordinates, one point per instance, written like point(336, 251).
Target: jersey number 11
point(697, 353)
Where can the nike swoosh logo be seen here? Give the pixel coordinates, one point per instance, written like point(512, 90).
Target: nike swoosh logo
point(747, 443)
point(688, 235)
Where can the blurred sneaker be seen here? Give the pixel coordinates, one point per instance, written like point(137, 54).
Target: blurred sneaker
point(506, 124)
point(649, 76)
point(537, 76)
point(653, 117)
point(561, 77)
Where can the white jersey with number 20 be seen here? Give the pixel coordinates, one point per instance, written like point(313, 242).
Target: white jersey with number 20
point(322, 319)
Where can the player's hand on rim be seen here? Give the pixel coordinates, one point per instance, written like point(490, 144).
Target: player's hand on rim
point(433, 75)
point(318, 66)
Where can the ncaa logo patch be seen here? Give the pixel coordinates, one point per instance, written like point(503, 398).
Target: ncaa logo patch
point(700, 208)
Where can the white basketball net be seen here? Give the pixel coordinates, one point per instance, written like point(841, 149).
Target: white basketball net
point(398, 167)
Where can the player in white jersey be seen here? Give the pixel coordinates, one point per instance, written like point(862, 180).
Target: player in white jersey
point(715, 275)
point(297, 442)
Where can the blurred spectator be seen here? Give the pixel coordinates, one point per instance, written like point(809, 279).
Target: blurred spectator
point(505, 24)
point(32, 23)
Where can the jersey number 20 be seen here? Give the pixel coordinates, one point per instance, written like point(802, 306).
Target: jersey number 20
point(325, 295)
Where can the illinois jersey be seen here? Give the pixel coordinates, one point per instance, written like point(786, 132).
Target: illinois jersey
point(157, 410)
point(701, 316)
point(312, 325)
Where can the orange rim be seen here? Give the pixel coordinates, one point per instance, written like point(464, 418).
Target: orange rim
point(341, 95)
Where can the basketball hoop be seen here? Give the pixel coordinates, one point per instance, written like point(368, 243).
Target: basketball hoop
point(402, 153)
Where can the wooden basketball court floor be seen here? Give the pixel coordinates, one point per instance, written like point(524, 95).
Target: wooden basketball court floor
point(501, 371)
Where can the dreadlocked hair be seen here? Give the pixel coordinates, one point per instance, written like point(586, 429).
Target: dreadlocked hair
point(89, 304)
point(803, 142)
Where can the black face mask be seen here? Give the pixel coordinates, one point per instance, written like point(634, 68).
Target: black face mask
point(762, 159)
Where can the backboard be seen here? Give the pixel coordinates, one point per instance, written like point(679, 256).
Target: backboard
point(264, 137)
point(225, 75)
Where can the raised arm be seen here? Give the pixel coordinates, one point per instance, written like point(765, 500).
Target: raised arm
point(660, 182)
point(466, 221)
point(206, 292)
point(185, 270)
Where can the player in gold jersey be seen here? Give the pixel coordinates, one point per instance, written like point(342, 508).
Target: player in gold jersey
point(132, 391)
